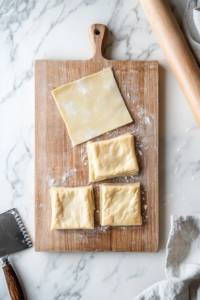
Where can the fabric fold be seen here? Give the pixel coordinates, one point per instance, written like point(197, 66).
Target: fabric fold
point(182, 263)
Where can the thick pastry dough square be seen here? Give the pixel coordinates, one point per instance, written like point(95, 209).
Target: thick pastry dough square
point(72, 207)
point(91, 106)
point(112, 158)
point(120, 204)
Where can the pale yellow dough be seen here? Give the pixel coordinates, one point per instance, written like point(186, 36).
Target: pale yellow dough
point(120, 204)
point(112, 158)
point(91, 106)
point(72, 208)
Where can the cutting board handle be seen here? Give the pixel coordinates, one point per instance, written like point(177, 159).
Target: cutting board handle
point(98, 35)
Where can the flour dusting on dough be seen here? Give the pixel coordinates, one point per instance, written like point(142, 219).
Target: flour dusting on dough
point(90, 134)
point(118, 113)
point(68, 107)
point(82, 87)
point(106, 86)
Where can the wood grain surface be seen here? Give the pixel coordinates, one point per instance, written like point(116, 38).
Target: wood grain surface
point(14, 286)
point(57, 163)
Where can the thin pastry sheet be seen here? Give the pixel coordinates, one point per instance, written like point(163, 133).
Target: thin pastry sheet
point(91, 106)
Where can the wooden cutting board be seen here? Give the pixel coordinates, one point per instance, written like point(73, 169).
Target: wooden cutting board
point(57, 163)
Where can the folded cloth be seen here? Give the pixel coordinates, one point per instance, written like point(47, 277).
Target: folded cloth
point(182, 263)
point(191, 27)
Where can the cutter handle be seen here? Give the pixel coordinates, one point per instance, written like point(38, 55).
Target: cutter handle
point(13, 283)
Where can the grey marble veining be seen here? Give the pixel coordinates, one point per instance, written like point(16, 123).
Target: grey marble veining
point(53, 29)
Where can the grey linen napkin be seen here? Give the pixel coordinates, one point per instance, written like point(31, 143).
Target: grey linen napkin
point(191, 27)
point(182, 263)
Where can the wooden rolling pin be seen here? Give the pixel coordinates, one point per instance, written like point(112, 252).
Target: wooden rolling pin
point(176, 50)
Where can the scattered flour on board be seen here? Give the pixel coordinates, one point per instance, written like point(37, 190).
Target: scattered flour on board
point(144, 218)
point(145, 116)
point(133, 71)
point(147, 121)
point(104, 228)
point(81, 238)
point(141, 111)
point(68, 174)
point(126, 72)
point(51, 181)
point(135, 98)
point(153, 66)
point(110, 133)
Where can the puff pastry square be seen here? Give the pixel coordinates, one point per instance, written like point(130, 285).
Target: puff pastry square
point(120, 204)
point(91, 106)
point(72, 208)
point(112, 158)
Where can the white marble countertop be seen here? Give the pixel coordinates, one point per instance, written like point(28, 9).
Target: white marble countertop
point(52, 29)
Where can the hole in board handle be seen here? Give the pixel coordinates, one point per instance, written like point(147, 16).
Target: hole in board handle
point(97, 32)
